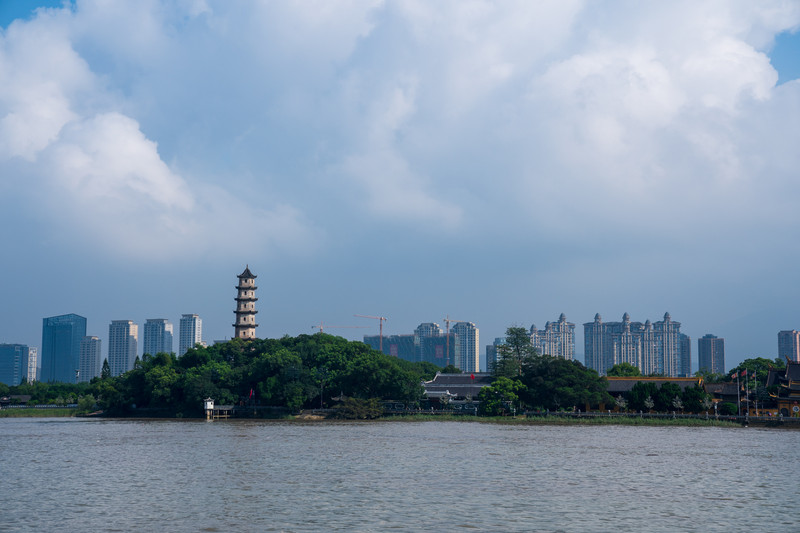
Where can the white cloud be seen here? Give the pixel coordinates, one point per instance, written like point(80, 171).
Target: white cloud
point(107, 160)
point(92, 167)
point(548, 116)
point(39, 74)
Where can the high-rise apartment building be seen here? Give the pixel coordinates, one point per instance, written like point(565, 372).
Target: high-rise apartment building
point(33, 364)
point(711, 354)
point(686, 355)
point(467, 342)
point(556, 339)
point(13, 363)
point(191, 333)
point(654, 348)
point(123, 343)
point(157, 336)
point(245, 326)
point(91, 359)
point(61, 347)
point(789, 345)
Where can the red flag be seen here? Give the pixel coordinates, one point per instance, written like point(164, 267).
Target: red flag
point(472, 376)
point(743, 373)
point(251, 395)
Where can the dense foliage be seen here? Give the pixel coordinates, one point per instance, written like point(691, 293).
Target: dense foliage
point(545, 382)
point(557, 383)
point(647, 396)
point(50, 393)
point(513, 353)
point(298, 372)
point(624, 370)
point(757, 365)
point(500, 397)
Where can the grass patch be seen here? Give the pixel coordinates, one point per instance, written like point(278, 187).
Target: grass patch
point(37, 413)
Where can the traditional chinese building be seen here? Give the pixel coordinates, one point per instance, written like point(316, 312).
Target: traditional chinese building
point(787, 397)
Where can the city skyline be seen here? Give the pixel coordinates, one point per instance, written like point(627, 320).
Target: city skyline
point(557, 338)
point(499, 163)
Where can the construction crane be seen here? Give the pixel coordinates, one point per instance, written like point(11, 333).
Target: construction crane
point(381, 319)
point(322, 326)
point(447, 321)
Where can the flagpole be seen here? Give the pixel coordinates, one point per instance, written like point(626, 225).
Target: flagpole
point(747, 388)
point(738, 393)
point(755, 392)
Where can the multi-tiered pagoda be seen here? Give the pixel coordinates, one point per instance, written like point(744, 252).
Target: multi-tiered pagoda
point(245, 326)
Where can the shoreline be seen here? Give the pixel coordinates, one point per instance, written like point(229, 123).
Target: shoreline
point(550, 420)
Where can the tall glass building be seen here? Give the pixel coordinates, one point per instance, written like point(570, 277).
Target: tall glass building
point(157, 336)
point(789, 345)
point(13, 363)
point(61, 347)
point(711, 354)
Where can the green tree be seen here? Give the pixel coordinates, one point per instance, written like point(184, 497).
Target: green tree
point(86, 403)
point(758, 365)
point(499, 397)
point(665, 396)
point(728, 409)
point(280, 372)
point(710, 377)
point(624, 370)
point(695, 399)
point(639, 395)
point(511, 355)
point(451, 369)
point(106, 371)
point(555, 382)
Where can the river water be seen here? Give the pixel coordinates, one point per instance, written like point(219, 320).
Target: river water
point(159, 475)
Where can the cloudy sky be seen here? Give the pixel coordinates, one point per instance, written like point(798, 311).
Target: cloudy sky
point(497, 162)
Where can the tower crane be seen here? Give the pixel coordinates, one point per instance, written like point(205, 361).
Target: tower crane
point(322, 326)
point(447, 321)
point(380, 319)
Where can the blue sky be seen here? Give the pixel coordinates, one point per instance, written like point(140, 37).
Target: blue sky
point(496, 162)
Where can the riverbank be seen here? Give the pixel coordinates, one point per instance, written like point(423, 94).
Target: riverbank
point(559, 421)
point(38, 413)
point(522, 420)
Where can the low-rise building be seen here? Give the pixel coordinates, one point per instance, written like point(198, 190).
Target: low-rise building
point(464, 386)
